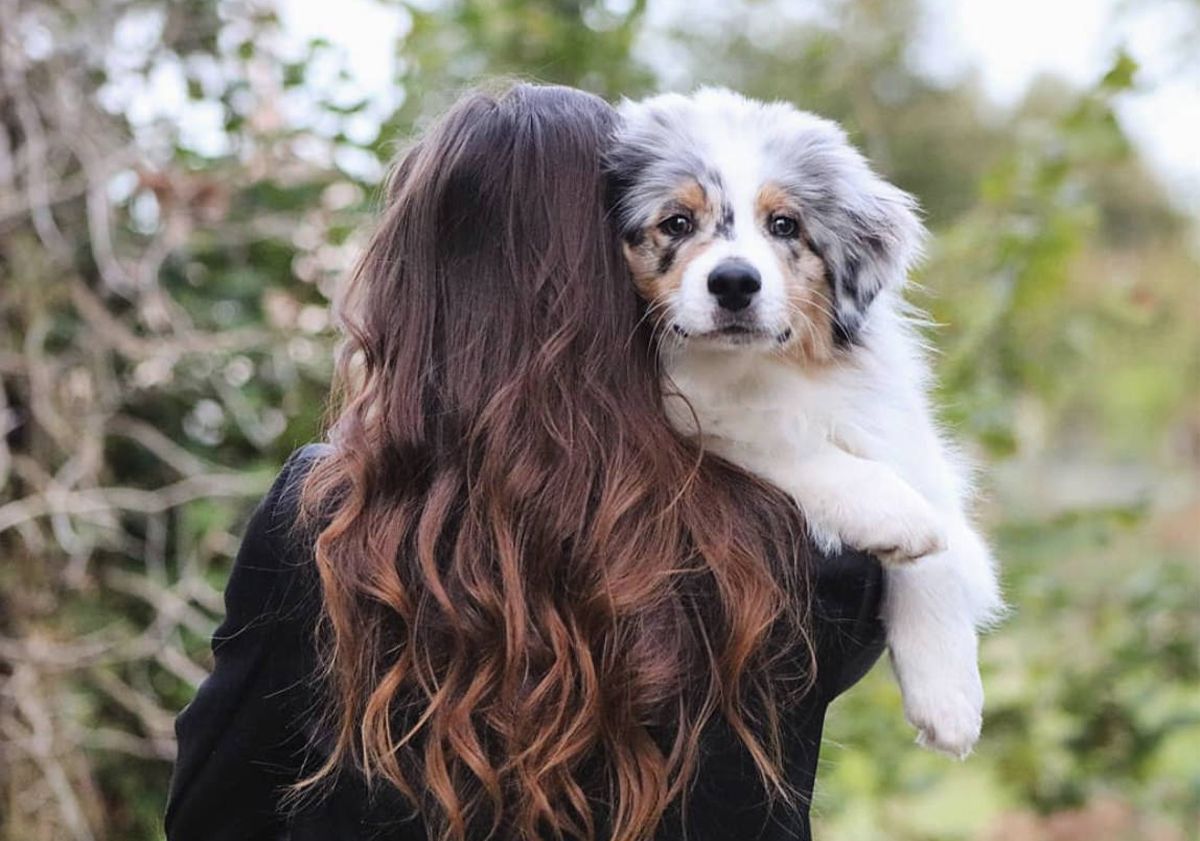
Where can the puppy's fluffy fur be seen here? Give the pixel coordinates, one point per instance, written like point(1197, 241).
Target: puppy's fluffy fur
point(772, 258)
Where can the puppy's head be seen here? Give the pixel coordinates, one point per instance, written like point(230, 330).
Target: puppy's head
point(755, 225)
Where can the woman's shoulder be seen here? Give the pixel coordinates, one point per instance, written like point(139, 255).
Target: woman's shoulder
point(281, 506)
point(273, 578)
point(277, 519)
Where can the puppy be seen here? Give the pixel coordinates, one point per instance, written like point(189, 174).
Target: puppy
point(772, 259)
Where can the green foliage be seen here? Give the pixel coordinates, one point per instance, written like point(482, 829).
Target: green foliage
point(453, 45)
point(164, 344)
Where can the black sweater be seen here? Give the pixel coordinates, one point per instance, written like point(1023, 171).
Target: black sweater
point(247, 732)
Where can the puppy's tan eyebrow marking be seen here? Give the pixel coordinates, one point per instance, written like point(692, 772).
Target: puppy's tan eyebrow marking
point(693, 197)
point(773, 199)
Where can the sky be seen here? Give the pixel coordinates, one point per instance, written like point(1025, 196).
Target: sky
point(1008, 42)
point(1013, 41)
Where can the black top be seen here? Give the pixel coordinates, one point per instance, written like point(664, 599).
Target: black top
point(244, 737)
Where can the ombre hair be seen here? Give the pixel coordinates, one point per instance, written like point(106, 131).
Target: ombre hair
point(536, 594)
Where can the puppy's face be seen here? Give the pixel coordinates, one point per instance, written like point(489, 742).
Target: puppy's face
point(754, 226)
point(724, 260)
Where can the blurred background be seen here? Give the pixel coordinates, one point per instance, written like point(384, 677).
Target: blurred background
point(182, 182)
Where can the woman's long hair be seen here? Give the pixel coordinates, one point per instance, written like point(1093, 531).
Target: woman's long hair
point(536, 593)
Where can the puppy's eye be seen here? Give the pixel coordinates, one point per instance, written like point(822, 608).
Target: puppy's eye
point(784, 227)
point(676, 226)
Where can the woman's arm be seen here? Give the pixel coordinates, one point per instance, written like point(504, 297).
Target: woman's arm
point(237, 745)
point(847, 600)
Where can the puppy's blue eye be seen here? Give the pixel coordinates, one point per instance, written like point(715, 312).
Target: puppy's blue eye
point(676, 226)
point(784, 227)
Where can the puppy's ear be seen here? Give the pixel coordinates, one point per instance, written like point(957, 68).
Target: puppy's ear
point(869, 235)
point(624, 165)
point(647, 133)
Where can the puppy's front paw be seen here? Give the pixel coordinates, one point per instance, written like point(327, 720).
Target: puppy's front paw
point(943, 693)
point(895, 523)
point(947, 718)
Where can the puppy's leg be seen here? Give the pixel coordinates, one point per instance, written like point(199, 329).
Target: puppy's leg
point(930, 616)
point(931, 607)
point(934, 609)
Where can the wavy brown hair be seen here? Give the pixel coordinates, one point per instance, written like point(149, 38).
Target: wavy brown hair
point(536, 593)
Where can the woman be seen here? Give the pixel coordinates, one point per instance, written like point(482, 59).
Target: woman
point(508, 601)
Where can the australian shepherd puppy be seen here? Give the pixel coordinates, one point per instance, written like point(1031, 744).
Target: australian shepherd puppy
point(773, 259)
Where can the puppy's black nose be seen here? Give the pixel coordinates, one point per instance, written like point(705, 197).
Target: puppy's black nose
point(733, 283)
